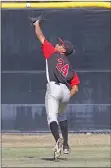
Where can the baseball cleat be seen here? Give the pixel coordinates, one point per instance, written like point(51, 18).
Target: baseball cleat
point(58, 148)
point(66, 149)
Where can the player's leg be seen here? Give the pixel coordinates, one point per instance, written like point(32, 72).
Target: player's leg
point(62, 117)
point(52, 104)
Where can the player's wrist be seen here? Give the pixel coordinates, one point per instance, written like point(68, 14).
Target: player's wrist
point(36, 22)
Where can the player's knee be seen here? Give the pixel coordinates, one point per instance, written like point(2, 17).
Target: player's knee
point(63, 124)
point(52, 120)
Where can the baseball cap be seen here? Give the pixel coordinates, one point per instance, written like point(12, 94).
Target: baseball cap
point(67, 45)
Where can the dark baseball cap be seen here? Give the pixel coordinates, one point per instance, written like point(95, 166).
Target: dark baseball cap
point(67, 45)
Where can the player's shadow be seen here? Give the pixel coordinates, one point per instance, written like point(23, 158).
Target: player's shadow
point(52, 159)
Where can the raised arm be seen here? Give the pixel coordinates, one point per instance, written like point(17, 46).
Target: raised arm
point(47, 47)
point(38, 32)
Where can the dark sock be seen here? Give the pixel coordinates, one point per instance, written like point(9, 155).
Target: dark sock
point(64, 130)
point(54, 130)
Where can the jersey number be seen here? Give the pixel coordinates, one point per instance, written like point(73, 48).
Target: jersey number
point(62, 68)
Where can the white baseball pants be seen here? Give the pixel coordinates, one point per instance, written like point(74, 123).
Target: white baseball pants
point(56, 99)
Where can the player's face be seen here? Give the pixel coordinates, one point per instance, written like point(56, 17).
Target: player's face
point(60, 48)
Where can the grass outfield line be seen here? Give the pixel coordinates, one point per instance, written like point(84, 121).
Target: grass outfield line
point(37, 151)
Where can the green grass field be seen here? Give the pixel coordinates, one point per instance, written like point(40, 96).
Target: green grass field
point(37, 151)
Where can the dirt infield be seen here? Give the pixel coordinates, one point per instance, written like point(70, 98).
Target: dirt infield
point(34, 150)
point(25, 140)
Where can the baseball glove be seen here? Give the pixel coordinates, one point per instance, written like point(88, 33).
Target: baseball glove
point(40, 18)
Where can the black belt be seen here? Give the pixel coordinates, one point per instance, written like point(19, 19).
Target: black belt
point(57, 83)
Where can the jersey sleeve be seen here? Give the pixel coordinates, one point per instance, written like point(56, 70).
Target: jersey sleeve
point(75, 80)
point(47, 49)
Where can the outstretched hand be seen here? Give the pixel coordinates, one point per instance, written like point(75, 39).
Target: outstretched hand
point(38, 19)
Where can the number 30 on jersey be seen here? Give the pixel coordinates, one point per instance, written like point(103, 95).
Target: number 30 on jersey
point(62, 68)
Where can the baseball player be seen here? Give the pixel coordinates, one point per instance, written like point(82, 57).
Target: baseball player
point(62, 84)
